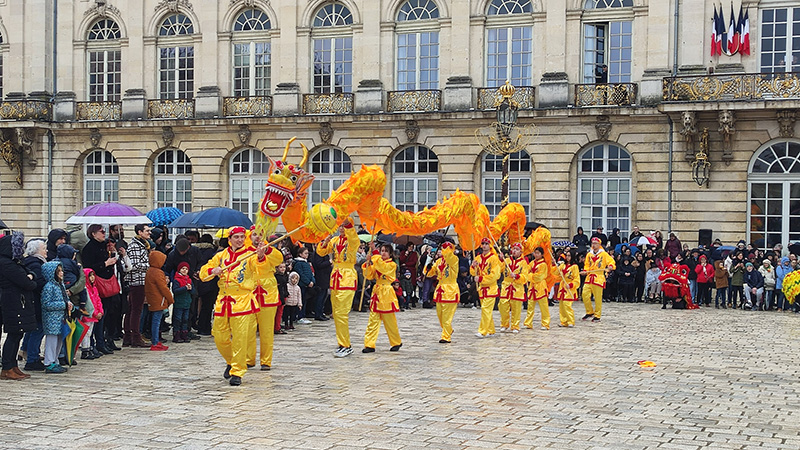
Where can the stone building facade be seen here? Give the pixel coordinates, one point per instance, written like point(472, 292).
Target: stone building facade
point(176, 102)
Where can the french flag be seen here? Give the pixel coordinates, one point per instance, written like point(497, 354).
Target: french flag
point(714, 35)
point(744, 32)
point(732, 44)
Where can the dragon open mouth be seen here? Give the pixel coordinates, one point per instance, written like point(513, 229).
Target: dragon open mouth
point(276, 200)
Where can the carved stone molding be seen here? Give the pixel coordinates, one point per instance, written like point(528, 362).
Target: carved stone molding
point(244, 134)
point(247, 3)
point(786, 119)
point(603, 127)
point(16, 147)
point(326, 132)
point(173, 5)
point(101, 8)
point(727, 129)
point(95, 138)
point(167, 135)
point(689, 132)
point(412, 130)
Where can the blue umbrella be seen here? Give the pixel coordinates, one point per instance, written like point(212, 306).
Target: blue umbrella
point(184, 221)
point(618, 248)
point(163, 216)
point(566, 244)
point(220, 218)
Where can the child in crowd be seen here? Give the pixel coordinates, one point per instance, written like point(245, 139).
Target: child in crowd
point(282, 279)
point(294, 300)
point(73, 274)
point(95, 308)
point(182, 293)
point(408, 289)
point(721, 283)
point(401, 299)
point(55, 307)
point(157, 296)
point(652, 283)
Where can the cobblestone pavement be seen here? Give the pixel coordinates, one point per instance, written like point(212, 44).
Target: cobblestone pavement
point(725, 379)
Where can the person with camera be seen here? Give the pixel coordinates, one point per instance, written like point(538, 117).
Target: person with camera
point(101, 256)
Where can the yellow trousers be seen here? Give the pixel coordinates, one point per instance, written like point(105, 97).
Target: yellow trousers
point(342, 303)
point(565, 313)
point(232, 335)
point(504, 306)
point(516, 313)
point(445, 312)
point(543, 307)
point(265, 322)
point(590, 290)
point(486, 326)
point(374, 325)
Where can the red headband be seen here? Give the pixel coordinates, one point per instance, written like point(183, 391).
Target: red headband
point(594, 239)
point(485, 241)
point(447, 245)
point(517, 245)
point(235, 230)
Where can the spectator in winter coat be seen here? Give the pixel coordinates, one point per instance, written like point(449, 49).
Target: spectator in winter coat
point(294, 300)
point(635, 234)
point(673, 246)
point(138, 255)
point(626, 280)
point(307, 281)
point(206, 290)
point(736, 287)
point(323, 267)
point(768, 272)
point(780, 272)
point(181, 292)
point(282, 281)
point(721, 283)
point(74, 278)
point(94, 304)
point(36, 252)
point(614, 238)
point(55, 238)
point(705, 280)
point(600, 235)
point(18, 316)
point(753, 286)
point(158, 297)
point(652, 283)
point(580, 239)
point(96, 256)
point(55, 309)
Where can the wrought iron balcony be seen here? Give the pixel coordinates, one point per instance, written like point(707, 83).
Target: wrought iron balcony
point(727, 87)
point(422, 100)
point(489, 98)
point(335, 103)
point(98, 110)
point(26, 110)
point(611, 94)
point(247, 106)
point(180, 108)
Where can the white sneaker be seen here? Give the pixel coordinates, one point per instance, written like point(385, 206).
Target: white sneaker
point(571, 326)
point(503, 330)
point(545, 328)
point(480, 336)
point(342, 352)
point(515, 331)
point(304, 321)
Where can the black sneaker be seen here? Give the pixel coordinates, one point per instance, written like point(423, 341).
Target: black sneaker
point(37, 366)
point(236, 381)
point(396, 348)
point(265, 367)
point(441, 341)
point(368, 350)
point(87, 355)
point(227, 373)
point(596, 319)
point(587, 317)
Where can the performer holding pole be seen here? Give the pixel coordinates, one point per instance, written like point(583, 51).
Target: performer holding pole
point(568, 288)
point(538, 294)
point(513, 290)
point(598, 264)
point(344, 281)
point(447, 294)
point(266, 297)
point(486, 269)
point(383, 303)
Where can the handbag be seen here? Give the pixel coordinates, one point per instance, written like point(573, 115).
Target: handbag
point(107, 287)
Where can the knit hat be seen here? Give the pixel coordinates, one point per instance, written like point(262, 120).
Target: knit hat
point(749, 264)
point(183, 264)
point(766, 261)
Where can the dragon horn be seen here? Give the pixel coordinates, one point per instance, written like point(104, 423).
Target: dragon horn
point(305, 155)
point(286, 150)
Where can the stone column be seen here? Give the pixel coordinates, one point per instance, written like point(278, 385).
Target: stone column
point(134, 104)
point(553, 90)
point(651, 89)
point(457, 94)
point(64, 107)
point(286, 100)
point(369, 97)
point(208, 103)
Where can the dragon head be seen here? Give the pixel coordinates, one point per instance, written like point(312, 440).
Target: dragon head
point(286, 183)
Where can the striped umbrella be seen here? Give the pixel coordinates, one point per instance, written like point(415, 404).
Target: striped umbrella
point(163, 216)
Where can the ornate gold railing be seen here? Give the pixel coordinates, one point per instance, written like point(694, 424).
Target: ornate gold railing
point(26, 110)
point(743, 86)
point(98, 110)
point(489, 98)
point(423, 100)
point(181, 108)
point(336, 103)
point(247, 106)
point(617, 94)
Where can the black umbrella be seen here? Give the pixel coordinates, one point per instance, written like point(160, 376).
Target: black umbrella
point(2, 225)
point(795, 248)
point(385, 238)
point(437, 239)
point(533, 225)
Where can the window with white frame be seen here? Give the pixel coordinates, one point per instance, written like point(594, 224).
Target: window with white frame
point(333, 49)
point(774, 194)
point(331, 167)
point(100, 178)
point(176, 62)
point(417, 50)
point(607, 52)
point(251, 54)
point(519, 181)
point(509, 50)
point(604, 188)
point(104, 75)
point(173, 180)
point(780, 40)
point(415, 178)
point(602, 4)
point(249, 171)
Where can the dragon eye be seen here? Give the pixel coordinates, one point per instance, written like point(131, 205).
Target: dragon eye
point(293, 178)
point(277, 171)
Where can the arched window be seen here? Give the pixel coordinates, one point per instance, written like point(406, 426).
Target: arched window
point(604, 188)
point(100, 178)
point(417, 46)
point(104, 74)
point(249, 170)
point(333, 53)
point(509, 50)
point(176, 61)
point(415, 178)
point(330, 167)
point(251, 54)
point(774, 195)
point(519, 181)
point(173, 180)
point(608, 44)
point(602, 4)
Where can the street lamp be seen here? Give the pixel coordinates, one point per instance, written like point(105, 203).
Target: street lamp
point(701, 168)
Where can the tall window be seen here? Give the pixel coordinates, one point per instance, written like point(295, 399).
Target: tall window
point(333, 53)
point(249, 171)
point(519, 181)
point(780, 40)
point(330, 167)
point(105, 65)
point(607, 52)
point(774, 192)
point(173, 179)
point(509, 50)
point(601, 4)
point(176, 62)
point(604, 188)
point(251, 56)
point(100, 178)
point(415, 178)
point(417, 50)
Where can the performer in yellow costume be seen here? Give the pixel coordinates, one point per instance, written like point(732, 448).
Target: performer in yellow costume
point(486, 268)
point(383, 303)
point(235, 306)
point(344, 281)
point(512, 293)
point(598, 264)
point(447, 294)
point(266, 297)
point(539, 290)
point(568, 293)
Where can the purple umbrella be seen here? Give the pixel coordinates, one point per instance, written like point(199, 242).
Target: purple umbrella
point(108, 213)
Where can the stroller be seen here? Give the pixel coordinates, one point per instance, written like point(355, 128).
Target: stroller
point(675, 288)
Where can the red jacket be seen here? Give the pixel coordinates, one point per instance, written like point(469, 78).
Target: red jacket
point(705, 274)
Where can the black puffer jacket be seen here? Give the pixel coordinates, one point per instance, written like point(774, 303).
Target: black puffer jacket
point(52, 237)
point(17, 298)
point(34, 266)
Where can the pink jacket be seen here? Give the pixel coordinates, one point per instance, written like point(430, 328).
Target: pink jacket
point(94, 297)
point(295, 297)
